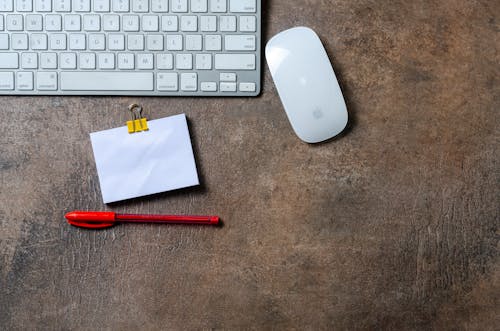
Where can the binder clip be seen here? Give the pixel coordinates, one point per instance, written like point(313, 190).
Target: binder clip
point(138, 122)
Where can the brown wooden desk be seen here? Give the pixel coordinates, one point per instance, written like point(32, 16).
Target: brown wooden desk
point(393, 226)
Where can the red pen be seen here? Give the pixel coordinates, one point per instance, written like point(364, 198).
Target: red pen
point(101, 220)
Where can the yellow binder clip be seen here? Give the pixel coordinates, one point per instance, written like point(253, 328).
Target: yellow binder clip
point(138, 122)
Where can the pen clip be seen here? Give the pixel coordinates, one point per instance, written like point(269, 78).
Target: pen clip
point(91, 225)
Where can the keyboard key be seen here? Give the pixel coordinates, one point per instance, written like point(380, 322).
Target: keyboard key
point(227, 77)
point(169, 23)
point(116, 42)
point(227, 87)
point(91, 22)
point(9, 61)
point(184, 61)
point(48, 61)
point(159, 6)
point(165, 61)
point(106, 81)
point(6, 5)
point(248, 23)
point(96, 42)
point(140, 6)
point(240, 43)
point(19, 41)
point(62, 5)
point(193, 42)
point(111, 22)
point(243, 6)
point(79, 5)
point(53, 23)
point(43, 5)
point(6, 81)
point(106, 60)
point(24, 5)
point(77, 41)
point(247, 87)
point(145, 61)
point(213, 42)
point(24, 80)
point(101, 6)
point(120, 6)
point(130, 22)
point(189, 23)
point(208, 23)
point(34, 23)
point(57, 41)
point(235, 61)
point(167, 82)
point(14, 22)
point(154, 42)
point(203, 61)
point(72, 23)
point(4, 41)
point(46, 81)
point(227, 23)
point(189, 82)
point(67, 61)
point(135, 42)
point(150, 23)
point(87, 60)
point(174, 42)
point(218, 6)
point(208, 86)
point(126, 61)
point(29, 60)
point(179, 6)
point(1, 23)
point(38, 41)
point(199, 6)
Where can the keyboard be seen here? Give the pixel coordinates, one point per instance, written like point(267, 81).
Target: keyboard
point(130, 47)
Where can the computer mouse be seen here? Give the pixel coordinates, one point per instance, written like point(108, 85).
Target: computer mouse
point(306, 84)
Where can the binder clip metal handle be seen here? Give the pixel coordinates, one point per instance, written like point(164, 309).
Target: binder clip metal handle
point(138, 122)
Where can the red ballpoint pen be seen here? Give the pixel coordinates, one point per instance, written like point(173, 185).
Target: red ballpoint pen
point(101, 220)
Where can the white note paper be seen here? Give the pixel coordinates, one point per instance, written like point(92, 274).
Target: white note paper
point(143, 163)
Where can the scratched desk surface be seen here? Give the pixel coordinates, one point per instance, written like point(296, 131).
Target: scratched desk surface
point(392, 226)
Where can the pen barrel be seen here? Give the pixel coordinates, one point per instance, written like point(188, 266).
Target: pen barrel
point(172, 219)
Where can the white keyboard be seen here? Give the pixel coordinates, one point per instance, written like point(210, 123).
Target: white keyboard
point(130, 47)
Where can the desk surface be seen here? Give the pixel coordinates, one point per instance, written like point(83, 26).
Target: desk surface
point(391, 226)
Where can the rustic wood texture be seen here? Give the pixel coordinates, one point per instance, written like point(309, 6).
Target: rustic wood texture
point(392, 226)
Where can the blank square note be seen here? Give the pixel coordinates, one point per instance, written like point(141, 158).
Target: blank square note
point(144, 163)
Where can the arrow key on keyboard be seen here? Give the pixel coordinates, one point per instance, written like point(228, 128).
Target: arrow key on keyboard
point(227, 87)
point(247, 87)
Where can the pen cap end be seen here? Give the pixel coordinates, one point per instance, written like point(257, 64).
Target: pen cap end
point(90, 216)
point(71, 216)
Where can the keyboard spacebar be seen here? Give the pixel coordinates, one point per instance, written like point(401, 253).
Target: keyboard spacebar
point(106, 81)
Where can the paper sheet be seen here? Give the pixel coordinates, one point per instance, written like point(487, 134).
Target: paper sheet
point(143, 163)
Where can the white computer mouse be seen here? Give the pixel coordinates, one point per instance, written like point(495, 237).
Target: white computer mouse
point(306, 84)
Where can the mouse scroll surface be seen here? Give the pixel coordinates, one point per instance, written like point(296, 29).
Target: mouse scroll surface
point(307, 84)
